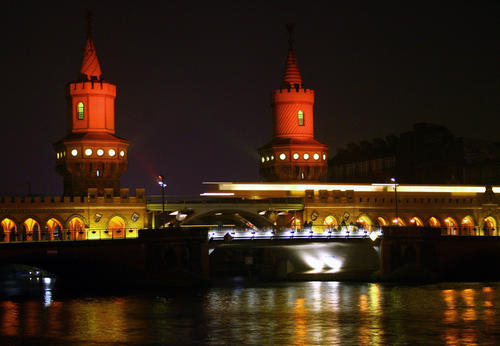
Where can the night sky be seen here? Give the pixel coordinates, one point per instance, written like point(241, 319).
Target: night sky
point(194, 83)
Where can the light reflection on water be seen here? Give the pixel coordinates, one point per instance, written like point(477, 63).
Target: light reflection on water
point(290, 313)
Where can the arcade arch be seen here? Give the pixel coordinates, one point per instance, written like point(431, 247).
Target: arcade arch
point(330, 222)
point(9, 230)
point(434, 222)
point(76, 229)
point(416, 221)
point(116, 227)
point(364, 222)
point(467, 226)
point(31, 229)
point(489, 226)
point(381, 221)
point(451, 226)
point(54, 229)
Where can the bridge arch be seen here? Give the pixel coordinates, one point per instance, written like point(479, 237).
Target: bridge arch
point(467, 225)
point(382, 221)
point(116, 227)
point(451, 226)
point(330, 222)
point(237, 217)
point(416, 221)
point(54, 229)
point(8, 230)
point(364, 222)
point(399, 221)
point(489, 226)
point(75, 227)
point(30, 229)
point(433, 222)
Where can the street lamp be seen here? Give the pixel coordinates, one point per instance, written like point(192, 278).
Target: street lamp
point(161, 182)
point(395, 185)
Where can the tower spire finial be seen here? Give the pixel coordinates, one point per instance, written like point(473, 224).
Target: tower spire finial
point(91, 70)
point(291, 78)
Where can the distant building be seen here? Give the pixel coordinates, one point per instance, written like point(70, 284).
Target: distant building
point(429, 154)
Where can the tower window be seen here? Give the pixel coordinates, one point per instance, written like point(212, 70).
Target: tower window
point(98, 173)
point(300, 115)
point(81, 110)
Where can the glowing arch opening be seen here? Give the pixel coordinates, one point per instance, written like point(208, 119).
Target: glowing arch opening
point(9, 230)
point(76, 229)
point(116, 227)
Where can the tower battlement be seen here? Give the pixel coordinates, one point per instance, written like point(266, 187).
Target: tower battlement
point(95, 87)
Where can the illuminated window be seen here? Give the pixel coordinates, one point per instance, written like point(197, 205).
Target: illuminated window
point(122, 153)
point(300, 115)
point(272, 157)
point(324, 156)
point(81, 110)
point(111, 152)
point(57, 155)
point(295, 156)
point(98, 173)
point(88, 152)
point(267, 158)
point(282, 156)
point(263, 159)
point(74, 152)
point(100, 152)
point(306, 156)
point(316, 156)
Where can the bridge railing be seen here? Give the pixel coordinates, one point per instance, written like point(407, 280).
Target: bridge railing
point(291, 233)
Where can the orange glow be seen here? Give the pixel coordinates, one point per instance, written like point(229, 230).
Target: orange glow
point(116, 227)
point(364, 221)
point(381, 221)
point(10, 320)
point(52, 225)
point(490, 226)
point(433, 222)
point(76, 227)
point(8, 226)
point(415, 221)
point(330, 221)
point(399, 221)
point(32, 229)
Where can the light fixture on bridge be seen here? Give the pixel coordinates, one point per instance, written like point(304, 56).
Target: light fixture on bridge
point(97, 217)
point(262, 212)
point(174, 213)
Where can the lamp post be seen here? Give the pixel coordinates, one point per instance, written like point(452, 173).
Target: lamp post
point(161, 182)
point(395, 185)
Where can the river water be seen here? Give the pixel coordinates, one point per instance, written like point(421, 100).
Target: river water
point(293, 313)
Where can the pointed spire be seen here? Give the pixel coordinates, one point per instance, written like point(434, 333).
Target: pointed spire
point(90, 64)
point(291, 78)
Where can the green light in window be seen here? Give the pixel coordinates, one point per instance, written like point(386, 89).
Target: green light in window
point(81, 110)
point(301, 118)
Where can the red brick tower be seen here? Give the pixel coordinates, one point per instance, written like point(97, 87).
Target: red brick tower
point(293, 154)
point(91, 155)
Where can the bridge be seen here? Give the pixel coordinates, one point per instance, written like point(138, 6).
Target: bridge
point(186, 256)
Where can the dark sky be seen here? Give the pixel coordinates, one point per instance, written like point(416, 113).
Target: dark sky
point(193, 83)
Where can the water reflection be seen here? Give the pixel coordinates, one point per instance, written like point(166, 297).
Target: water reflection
point(293, 313)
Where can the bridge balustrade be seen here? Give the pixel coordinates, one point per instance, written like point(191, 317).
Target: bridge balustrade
point(69, 235)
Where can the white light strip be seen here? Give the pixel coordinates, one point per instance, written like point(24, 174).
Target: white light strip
point(217, 194)
point(359, 187)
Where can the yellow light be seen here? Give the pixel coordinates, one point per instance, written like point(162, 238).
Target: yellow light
point(267, 158)
point(272, 157)
point(262, 159)
point(217, 194)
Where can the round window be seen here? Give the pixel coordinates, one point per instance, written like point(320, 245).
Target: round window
point(306, 156)
point(316, 156)
point(88, 152)
point(295, 156)
point(74, 152)
point(282, 156)
point(100, 152)
point(111, 152)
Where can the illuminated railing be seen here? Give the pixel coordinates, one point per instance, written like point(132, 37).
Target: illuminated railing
point(291, 233)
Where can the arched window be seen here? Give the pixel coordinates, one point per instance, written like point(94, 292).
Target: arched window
point(81, 110)
point(300, 115)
